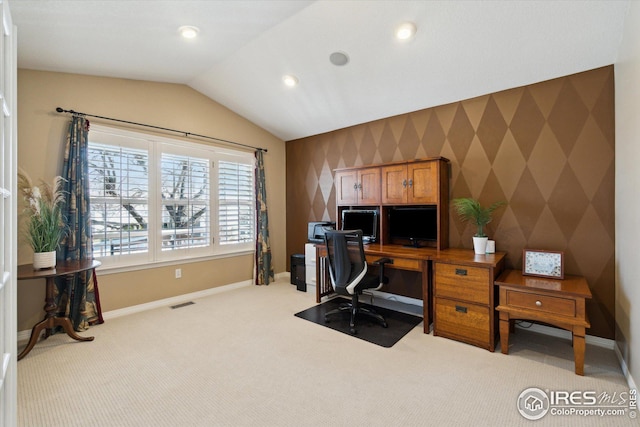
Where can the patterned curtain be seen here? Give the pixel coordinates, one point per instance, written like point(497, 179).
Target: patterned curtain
point(263, 266)
point(77, 294)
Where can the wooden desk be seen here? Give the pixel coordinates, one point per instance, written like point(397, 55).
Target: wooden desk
point(557, 302)
point(50, 320)
point(411, 259)
point(404, 258)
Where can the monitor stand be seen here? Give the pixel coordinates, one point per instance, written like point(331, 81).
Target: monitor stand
point(413, 243)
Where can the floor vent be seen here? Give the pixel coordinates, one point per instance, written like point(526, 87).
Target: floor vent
point(184, 304)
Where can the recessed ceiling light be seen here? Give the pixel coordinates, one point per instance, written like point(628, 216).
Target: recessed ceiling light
point(188, 31)
point(406, 31)
point(290, 80)
point(339, 58)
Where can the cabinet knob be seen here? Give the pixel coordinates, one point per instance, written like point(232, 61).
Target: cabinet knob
point(404, 183)
point(410, 183)
point(538, 303)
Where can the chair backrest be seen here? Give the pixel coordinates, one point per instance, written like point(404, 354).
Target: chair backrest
point(347, 263)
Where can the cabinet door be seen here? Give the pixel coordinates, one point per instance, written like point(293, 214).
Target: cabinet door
point(422, 182)
point(369, 186)
point(394, 184)
point(346, 187)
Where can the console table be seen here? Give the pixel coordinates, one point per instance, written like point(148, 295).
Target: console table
point(557, 302)
point(50, 320)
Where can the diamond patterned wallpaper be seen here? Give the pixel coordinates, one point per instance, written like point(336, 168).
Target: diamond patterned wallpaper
point(546, 149)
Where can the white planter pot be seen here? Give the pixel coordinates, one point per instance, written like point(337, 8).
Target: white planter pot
point(42, 260)
point(480, 245)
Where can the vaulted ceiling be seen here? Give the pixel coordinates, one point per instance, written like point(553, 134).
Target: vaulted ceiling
point(461, 49)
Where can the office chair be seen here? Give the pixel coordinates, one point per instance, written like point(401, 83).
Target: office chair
point(349, 273)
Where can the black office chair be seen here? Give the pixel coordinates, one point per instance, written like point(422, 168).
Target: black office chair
point(350, 275)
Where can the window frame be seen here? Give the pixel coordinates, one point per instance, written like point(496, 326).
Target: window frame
point(156, 146)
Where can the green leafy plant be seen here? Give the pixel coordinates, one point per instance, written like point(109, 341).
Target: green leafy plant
point(470, 210)
point(44, 226)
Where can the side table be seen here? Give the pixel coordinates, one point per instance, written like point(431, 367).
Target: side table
point(558, 302)
point(50, 320)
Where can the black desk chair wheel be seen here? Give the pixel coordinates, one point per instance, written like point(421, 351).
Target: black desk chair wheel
point(349, 273)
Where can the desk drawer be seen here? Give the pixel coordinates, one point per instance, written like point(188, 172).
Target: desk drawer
point(543, 303)
point(399, 263)
point(465, 322)
point(462, 282)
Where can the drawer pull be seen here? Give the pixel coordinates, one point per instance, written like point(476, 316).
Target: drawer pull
point(461, 272)
point(538, 303)
point(461, 309)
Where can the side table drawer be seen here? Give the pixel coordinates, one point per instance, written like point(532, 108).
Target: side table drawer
point(462, 282)
point(544, 303)
point(463, 321)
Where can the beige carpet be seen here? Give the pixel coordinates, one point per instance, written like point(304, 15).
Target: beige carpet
point(241, 358)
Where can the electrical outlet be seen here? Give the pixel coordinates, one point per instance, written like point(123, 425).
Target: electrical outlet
point(178, 273)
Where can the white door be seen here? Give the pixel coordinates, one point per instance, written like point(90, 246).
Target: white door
point(8, 220)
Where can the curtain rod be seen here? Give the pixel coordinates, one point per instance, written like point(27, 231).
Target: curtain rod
point(186, 134)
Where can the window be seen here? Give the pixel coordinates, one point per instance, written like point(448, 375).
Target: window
point(185, 202)
point(237, 204)
point(156, 199)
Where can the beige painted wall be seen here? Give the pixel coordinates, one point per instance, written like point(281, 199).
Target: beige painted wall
point(41, 134)
point(627, 70)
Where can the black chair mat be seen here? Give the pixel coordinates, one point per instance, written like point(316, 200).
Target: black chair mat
point(366, 329)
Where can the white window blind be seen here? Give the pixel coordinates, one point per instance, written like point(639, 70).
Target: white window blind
point(185, 202)
point(119, 191)
point(237, 202)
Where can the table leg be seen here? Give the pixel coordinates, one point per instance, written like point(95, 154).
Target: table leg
point(50, 321)
point(427, 312)
point(35, 333)
point(504, 332)
point(578, 349)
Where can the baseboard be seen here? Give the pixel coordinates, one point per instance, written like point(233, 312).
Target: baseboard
point(393, 302)
point(625, 368)
point(173, 300)
point(561, 333)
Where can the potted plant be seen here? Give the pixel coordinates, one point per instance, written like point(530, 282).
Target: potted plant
point(470, 210)
point(44, 226)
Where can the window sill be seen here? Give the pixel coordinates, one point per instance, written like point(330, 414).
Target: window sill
point(113, 269)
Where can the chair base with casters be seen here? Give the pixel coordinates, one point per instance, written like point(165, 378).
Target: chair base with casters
point(356, 310)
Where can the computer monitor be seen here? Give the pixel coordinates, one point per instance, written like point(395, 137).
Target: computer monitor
point(365, 220)
point(416, 224)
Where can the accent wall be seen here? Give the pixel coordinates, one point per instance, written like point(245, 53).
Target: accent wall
point(547, 149)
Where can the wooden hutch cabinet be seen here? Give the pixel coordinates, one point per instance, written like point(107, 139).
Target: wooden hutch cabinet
point(412, 183)
point(358, 186)
point(422, 182)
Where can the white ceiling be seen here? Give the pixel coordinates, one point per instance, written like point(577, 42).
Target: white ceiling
point(462, 49)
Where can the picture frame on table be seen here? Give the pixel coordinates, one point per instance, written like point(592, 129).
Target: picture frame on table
point(541, 263)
